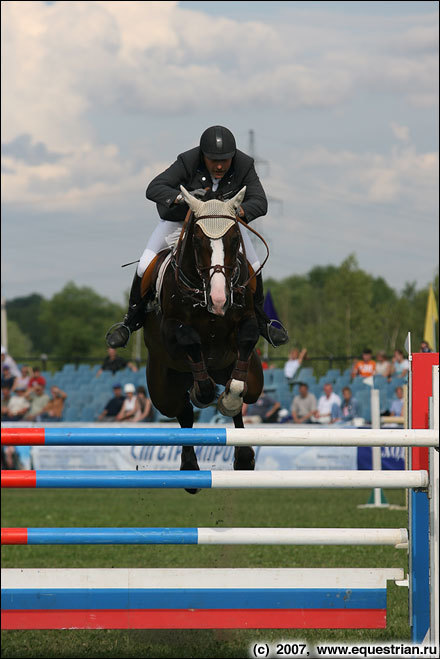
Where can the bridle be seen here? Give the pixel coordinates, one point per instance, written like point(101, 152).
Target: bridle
point(199, 294)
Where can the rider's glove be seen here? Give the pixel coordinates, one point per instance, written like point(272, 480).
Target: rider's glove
point(199, 193)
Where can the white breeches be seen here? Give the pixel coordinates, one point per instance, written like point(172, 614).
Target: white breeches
point(158, 241)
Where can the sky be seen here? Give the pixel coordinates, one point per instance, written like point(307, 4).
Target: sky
point(100, 97)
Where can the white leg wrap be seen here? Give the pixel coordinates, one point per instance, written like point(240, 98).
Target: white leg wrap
point(230, 403)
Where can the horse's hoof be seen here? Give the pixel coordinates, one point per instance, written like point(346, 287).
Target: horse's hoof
point(196, 402)
point(190, 465)
point(244, 459)
point(228, 411)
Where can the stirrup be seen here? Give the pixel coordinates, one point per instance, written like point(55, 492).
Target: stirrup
point(112, 329)
point(284, 337)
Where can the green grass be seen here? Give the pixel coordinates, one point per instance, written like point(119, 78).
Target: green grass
point(291, 508)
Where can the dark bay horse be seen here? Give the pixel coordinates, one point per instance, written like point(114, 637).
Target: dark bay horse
point(205, 330)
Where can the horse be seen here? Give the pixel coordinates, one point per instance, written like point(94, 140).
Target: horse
point(203, 331)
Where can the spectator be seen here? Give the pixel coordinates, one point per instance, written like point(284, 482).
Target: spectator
point(349, 407)
point(36, 378)
point(113, 407)
point(383, 366)
point(396, 408)
point(23, 380)
point(400, 364)
point(8, 361)
point(304, 405)
point(425, 347)
point(265, 410)
point(18, 405)
point(144, 407)
point(53, 411)
point(128, 408)
point(8, 380)
point(294, 362)
point(329, 406)
point(6, 397)
point(365, 366)
point(113, 362)
point(10, 458)
point(38, 400)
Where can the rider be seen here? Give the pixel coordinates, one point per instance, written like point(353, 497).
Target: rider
point(215, 169)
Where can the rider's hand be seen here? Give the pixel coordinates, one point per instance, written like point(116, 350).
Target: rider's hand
point(199, 193)
point(240, 212)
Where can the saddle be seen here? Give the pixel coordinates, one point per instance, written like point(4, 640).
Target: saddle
point(150, 276)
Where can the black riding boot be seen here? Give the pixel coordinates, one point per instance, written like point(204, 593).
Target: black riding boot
point(276, 336)
point(118, 335)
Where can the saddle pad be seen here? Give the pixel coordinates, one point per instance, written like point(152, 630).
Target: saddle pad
point(148, 276)
point(161, 274)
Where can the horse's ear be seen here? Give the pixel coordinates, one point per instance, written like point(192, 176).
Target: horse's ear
point(193, 203)
point(236, 201)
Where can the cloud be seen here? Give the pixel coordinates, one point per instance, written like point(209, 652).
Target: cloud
point(66, 60)
point(364, 179)
point(400, 132)
point(97, 94)
point(22, 148)
point(158, 57)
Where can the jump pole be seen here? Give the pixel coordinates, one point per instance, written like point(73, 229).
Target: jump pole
point(214, 479)
point(249, 598)
point(397, 538)
point(217, 437)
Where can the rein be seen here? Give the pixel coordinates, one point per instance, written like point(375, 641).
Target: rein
point(187, 286)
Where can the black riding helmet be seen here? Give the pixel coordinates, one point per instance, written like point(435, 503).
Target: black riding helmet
point(218, 143)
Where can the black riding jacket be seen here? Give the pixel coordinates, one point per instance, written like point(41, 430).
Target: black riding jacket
point(190, 171)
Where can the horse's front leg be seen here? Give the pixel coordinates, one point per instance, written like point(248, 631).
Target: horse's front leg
point(231, 400)
point(184, 338)
point(188, 458)
point(244, 456)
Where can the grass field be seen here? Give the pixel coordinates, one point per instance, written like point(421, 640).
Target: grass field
point(295, 508)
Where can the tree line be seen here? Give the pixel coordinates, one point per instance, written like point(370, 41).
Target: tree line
point(332, 311)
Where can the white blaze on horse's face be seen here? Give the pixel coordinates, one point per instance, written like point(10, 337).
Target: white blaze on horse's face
point(218, 279)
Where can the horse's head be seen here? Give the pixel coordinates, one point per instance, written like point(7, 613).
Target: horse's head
point(216, 243)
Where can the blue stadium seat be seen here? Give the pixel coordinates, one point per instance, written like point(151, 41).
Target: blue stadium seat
point(364, 400)
point(68, 369)
point(306, 371)
point(88, 413)
point(71, 413)
point(206, 414)
point(380, 382)
point(277, 375)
